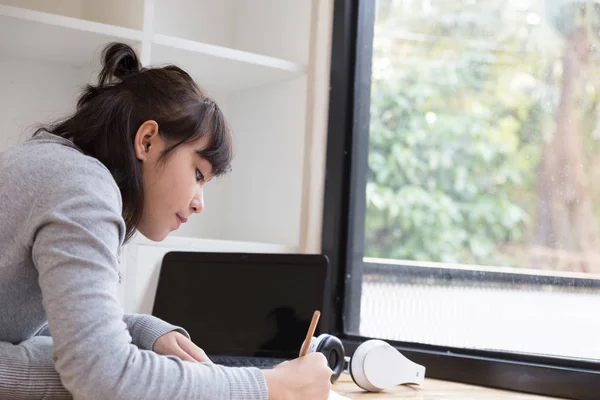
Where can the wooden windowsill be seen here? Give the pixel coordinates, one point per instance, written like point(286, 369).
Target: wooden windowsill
point(432, 389)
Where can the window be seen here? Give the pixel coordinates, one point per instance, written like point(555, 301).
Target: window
point(462, 210)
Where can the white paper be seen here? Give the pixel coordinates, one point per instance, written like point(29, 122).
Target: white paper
point(335, 396)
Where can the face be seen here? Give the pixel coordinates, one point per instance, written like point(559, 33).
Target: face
point(173, 189)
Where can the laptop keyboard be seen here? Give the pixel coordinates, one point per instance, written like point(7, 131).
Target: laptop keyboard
point(239, 361)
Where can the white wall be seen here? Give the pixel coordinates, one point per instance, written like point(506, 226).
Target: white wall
point(69, 8)
point(34, 92)
point(277, 28)
point(271, 181)
point(115, 12)
point(208, 21)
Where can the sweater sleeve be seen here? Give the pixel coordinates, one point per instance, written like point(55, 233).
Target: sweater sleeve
point(77, 231)
point(27, 371)
point(145, 329)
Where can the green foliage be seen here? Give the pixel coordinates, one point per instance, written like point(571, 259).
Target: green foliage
point(454, 146)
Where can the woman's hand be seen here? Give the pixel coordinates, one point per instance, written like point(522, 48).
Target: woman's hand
point(175, 344)
point(306, 377)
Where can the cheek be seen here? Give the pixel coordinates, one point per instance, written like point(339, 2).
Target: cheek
point(176, 187)
point(152, 200)
point(170, 191)
point(157, 196)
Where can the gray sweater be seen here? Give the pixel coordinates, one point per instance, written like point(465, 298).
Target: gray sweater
point(60, 233)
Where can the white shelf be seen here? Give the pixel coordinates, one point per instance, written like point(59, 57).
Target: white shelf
point(252, 56)
point(50, 37)
point(77, 42)
point(275, 28)
point(221, 68)
point(179, 243)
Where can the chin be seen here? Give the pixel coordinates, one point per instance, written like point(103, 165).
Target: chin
point(154, 235)
point(160, 237)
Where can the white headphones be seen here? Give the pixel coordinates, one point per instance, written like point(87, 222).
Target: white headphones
point(374, 366)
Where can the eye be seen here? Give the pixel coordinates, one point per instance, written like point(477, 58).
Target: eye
point(199, 175)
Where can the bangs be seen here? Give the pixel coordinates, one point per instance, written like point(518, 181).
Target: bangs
point(207, 120)
point(219, 150)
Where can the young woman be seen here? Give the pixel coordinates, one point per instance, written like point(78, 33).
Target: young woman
point(135, 155)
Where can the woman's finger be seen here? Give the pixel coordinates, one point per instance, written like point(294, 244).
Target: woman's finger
point(190, 348)
point(177, 351)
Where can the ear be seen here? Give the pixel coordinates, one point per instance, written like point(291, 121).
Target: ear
point(146, 140)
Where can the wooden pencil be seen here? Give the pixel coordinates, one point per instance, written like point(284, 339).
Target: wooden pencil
point(310, 333)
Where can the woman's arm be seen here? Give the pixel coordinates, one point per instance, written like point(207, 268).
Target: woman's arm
point(27, 371)
point(78, 229)
point(145, 329)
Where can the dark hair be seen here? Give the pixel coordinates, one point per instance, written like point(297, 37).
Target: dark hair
point(109, 114)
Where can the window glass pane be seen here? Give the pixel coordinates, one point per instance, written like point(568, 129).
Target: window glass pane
point(483, 190)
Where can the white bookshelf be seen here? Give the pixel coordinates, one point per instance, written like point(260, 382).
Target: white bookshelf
point(223, 69)
point(56, 38)
point(266, 62)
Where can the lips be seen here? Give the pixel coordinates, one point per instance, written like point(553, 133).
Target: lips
point(182, 219)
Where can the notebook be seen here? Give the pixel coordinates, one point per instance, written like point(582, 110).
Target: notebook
point(336, 396)
point(242, 309)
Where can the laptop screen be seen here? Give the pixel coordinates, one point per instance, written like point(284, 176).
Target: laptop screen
point(242, 304)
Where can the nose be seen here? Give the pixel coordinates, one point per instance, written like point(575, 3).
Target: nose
point(197, 204)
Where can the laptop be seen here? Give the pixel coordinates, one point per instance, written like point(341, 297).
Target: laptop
point(242, 309)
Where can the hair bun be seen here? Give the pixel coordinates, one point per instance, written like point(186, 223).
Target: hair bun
point(118, 62)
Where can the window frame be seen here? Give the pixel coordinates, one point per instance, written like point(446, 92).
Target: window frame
point(343, 236)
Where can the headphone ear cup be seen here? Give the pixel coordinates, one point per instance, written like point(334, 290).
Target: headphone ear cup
point(333, 349)
point(356, 366)
point(376, 366)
